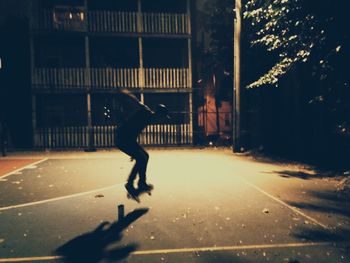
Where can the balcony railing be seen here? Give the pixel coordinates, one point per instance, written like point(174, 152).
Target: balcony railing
point(114, 22)
point(102, 78)
point(59, 78)
point(103, 136)
point(66, 79)
point(163, 23)
point(106, 21)
point(167, 77)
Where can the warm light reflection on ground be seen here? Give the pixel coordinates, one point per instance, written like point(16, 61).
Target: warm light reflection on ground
point(203, 199)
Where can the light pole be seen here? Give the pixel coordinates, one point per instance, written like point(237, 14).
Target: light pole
point(236, 113)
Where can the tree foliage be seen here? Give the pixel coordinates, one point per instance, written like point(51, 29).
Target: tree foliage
point(296, 31)
point(312, 37)
point(304, 47)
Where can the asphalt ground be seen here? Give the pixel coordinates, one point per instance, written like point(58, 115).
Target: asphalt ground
point(11, 165)
point(207, 206)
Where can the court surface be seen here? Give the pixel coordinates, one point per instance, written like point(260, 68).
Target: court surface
point(208, 205)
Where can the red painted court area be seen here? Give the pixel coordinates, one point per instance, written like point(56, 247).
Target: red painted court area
point(10, 165)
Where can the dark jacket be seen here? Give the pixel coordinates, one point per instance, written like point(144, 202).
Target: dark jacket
point(137, 117)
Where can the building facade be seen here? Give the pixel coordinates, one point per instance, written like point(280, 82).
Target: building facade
point(83, 52)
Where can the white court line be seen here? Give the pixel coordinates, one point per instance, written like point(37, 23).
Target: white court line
point(294, 209)
point(15, 171)
point(105, 188)
point(58, 198)
point(80, 156)
point(187, 250)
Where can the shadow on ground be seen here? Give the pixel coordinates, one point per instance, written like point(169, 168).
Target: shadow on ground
point(312, 174)
point(92, 247)
point(330, 161)
point(319, 235)
point(341, 179)
point(295, 174)
point(329, 203)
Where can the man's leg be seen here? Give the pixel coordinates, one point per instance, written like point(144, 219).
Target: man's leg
point(135, 151)
point(133, 174)
point(143, 162)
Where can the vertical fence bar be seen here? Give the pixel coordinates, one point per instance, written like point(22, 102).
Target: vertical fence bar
point(124, 78)
point(152, 22)
point(153, 82)
point(123, 22)
point(110, 21)
point(118, 77)
point(100, 21)
point(113, 27)
point(134, 22)
point(94, 23)
point(118, 21)
point(97, 21)
point(60, 136)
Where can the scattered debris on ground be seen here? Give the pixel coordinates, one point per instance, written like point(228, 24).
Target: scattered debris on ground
point(266, 211)
point(343, 186)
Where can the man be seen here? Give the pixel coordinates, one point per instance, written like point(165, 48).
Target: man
point(136, 117)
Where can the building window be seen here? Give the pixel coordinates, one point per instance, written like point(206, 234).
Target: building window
point(69, 18)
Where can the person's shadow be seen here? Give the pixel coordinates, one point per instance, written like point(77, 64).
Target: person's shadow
point(92, 247)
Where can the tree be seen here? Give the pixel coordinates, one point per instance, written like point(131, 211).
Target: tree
point(297, 31)
point(301, 46)
point(311, 37)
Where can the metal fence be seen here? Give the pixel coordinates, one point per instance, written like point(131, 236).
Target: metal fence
point(108, 78)
point(104, 136)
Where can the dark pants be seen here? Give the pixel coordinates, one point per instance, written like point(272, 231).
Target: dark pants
point(135, 151)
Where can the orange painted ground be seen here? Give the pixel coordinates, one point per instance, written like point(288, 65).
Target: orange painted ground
point(7, 166)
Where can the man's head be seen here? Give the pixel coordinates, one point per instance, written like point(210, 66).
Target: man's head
point(162, 111)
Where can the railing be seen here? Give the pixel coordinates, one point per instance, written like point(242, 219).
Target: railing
point(109, 21)
point(104, 136)
point(102, 78)
point(167, 77)
point(59, 78)
point(106, 21)
point(164, 23)
point(61, 137)
point(66, 79)
point(166, 134)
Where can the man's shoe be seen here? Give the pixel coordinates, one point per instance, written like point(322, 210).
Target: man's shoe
point(145, 187)
point(132, 192)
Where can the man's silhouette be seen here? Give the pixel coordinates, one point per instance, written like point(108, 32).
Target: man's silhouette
point(136, 117)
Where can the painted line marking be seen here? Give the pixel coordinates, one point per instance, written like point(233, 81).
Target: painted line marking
point(109, 187)
point(294, 209)
point(187, 250)
point(225, 248)
point(25, 167)
point(81, 156)
point(58, 198)
point(30, 259)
